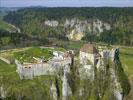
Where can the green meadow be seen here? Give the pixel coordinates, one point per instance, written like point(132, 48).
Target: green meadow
point(126, 57)
point(37, 52)
point(4, 25)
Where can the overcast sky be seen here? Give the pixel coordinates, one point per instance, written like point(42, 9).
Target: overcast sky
point(66, 3)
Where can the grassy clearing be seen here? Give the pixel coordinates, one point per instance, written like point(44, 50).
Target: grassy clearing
point(6, 69)
point(70, 44)
point(9, 54)
point(4, 25)
point(43, 53)
point(27, 55)
point(126, 57)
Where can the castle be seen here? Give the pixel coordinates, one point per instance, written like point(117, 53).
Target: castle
point(90, 58)
point(88, 54)
point(51, 67)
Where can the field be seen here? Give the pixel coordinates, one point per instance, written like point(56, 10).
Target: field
point(27, 54)
point(9, 54)
point(37, 52)
point(7, 70)
point(3, 24)
point(69, 44)
point(126, 57)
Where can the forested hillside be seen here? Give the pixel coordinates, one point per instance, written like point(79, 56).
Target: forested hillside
point(110, 25)
point(14, 40)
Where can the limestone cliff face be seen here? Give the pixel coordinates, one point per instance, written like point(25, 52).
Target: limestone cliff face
point(52, 23)
point(77, 28)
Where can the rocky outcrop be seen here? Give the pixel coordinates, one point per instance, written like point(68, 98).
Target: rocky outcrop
point(54, 92)
point(116, 86)
point(52, 23)
point(76, 28)
point(66, 90)
point(87, 72)
point(2, 92)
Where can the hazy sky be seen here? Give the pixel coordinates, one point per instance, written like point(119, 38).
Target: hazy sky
point(66, 3)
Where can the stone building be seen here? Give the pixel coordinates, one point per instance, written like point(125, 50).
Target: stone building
point(89, 53)
point(51, 67)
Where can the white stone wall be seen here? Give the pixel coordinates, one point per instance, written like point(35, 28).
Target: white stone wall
point(105, 54)
point(112, 54)
point(66, 90)
point(84, 56)
point(108, 54)
point(41, 69)
point(117, 89)
point(28, 71)
point(86, 72)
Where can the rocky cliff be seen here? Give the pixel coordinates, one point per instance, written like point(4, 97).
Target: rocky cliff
point(109, 25)
point(76, 28)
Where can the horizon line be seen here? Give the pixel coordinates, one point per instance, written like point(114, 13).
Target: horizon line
point(67, 6)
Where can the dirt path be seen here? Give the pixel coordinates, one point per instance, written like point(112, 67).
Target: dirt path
point(16, 28)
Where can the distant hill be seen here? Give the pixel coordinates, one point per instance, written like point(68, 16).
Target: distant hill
point(7, 9)
point(104, 24)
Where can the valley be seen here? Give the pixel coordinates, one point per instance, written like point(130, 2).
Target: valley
point(66, 54)
point(6, 26)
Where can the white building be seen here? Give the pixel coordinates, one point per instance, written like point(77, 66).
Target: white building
point(89, 53)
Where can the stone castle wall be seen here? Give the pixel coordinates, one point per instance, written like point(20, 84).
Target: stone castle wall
point(28, 71)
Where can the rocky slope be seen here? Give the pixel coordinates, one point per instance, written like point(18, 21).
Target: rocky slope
point(76, 28)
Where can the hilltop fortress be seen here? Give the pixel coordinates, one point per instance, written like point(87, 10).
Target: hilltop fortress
point(51, 67)
point(90, 58)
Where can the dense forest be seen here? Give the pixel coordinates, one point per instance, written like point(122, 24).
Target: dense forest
point(31, 21)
